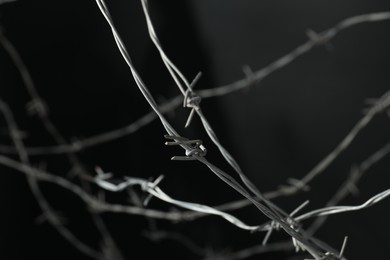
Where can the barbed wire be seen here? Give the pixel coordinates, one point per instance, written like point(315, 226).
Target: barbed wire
point(194, 149)
point(171, 132)
point(268, 209)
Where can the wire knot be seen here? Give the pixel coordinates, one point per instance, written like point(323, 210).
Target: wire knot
point(193, 148)
point(191, 99)
point(317, 38)
point(377, 104)
point(37, 106)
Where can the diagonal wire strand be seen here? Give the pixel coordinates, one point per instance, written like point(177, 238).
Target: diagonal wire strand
point(342, 209)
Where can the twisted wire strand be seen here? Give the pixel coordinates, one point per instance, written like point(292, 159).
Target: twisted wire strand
point(176, 74)
point(342, 209)
point(153, 189)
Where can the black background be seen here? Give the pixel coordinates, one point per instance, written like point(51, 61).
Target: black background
point(277, 129)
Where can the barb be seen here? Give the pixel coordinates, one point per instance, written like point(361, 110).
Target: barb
point(191, 99)
point(332, 256)
point(290, 220)
point(344, 245)
point(248, 73)
point(197, 148)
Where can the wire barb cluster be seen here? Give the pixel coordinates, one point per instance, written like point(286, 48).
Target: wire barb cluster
point(195, 148)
